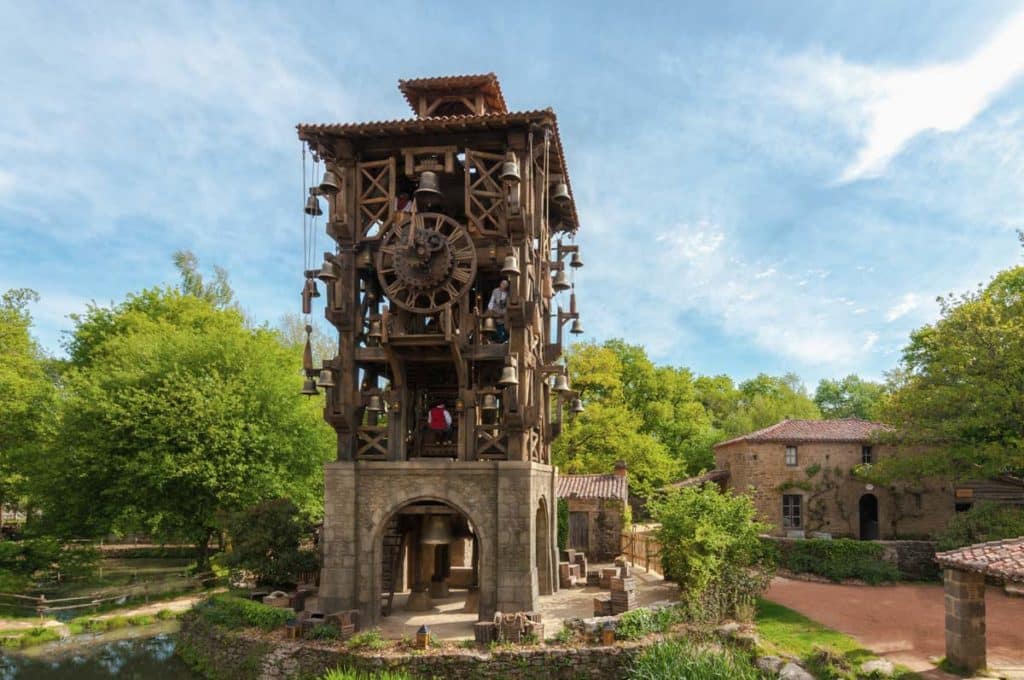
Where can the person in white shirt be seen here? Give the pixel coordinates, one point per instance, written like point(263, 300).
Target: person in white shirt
point(496, 308)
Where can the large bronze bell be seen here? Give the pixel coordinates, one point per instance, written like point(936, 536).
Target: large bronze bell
point(576, 262)
point(509, 376)
point(326, 378)
point(313, 206)
point(375, 405)
point(329, 185)
point(488, 325)
point(510, 171)
point(364, 260)
point(511, 266)
point(490, 403)
point(436, 530)
point(561, 384)
point(328, 273)
point(561, 281)
point(309, 387)
point(430, 186)
point(561, 194)
point(577, 327)
point(577, 405)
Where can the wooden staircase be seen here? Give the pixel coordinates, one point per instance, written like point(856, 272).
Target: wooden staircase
point(394, 544)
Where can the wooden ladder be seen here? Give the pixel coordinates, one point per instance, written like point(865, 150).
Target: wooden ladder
point(394, 543)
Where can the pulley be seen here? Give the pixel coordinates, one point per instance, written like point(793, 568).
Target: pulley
point(561, 194)
point(561, 384)
point(509, 376)
point(561, 281)
point(511, 266)
point(313, 206)
point(329, 185)
point(309, 387)
point(510, 171)
point(326, 378)
point(436, 531)
point(577, 327)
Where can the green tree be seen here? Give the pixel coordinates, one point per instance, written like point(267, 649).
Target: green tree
point(266, 538)
point(850, 397)
point(178, 412)
point(958, 401)
point(765, 400)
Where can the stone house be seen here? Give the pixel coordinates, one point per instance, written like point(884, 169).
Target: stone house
point(801, 472)
point(597, 511)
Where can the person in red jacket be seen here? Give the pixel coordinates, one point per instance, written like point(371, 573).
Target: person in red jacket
point(439, 420)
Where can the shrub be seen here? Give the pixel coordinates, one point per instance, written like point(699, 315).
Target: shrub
point(234, 612)
point(985, 521)
point(45, 558)
point(350, 674)
point(266, 541)
point(563, 523)
point(711, 548)
point(565, 636)
point(368, 639)
point(680, 660)
point(839, 559)
point(166, 615)
point(322, 632)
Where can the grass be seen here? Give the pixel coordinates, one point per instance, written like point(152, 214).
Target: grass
point(235, 612)
point(349, 674)
point(826, 653)
point(29, 638)
point(368, 639)
point(680, 660)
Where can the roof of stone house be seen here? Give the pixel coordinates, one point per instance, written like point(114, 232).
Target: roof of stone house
point(712, 476)
point(810, 431)
point(593, 486)
point(1000, 559)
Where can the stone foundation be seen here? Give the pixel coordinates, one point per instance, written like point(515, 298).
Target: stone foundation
point(965, 619)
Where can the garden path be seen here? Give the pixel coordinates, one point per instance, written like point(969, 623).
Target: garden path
point(903, 622)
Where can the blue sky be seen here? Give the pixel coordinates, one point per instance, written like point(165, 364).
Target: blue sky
point(762, 186)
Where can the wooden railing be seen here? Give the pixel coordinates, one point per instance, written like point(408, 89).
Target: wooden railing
point(641, 547)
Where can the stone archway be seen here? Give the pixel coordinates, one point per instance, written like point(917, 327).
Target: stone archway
point(868, 507)
point(543, 550)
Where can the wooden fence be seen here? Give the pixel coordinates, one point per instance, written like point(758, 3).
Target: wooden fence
point(640, 546)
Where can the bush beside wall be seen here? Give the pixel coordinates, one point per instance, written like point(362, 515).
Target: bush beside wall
point(839, 559)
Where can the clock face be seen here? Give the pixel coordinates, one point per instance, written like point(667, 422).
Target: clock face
point(426, 262)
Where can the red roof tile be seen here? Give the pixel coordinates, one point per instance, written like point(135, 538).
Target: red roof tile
point(593, 486)
point(699, 480)
point(487, 83)
point(809, 431)
point(1000, 559)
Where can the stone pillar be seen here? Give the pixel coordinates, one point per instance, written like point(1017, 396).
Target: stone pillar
point(965, 619)
point(338, 571)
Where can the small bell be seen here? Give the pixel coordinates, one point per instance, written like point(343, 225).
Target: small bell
point(576, 262)
point(561, 194)
point(577, 327)
point(364, 260)
point(561, 281)
point(490, 403)
point(509, 376)
point(328, 273)
point(329, 185)
point(313, 206)
point(577, 405)
point(314, 292)
point(375, 405)
point(309, 388)
point(511, 266)
point(375, 330)
point(561, 384)
point(430, 187)
point(488, 325)
point(326, 378)
point(510, 171)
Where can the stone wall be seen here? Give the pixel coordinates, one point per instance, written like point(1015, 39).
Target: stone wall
point(914, 559)
point(831, 495)
point(605, 522)
point(219, 654)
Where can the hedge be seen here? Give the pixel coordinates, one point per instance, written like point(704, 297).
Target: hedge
point(838, 559)
point(236, 612)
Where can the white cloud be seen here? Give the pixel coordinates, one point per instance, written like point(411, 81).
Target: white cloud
point(906, 304)
point(692, 241)
point(766, 273)
point(6, 181)
point(869, 341)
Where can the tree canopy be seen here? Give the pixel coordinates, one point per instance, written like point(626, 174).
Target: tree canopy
point(850, 397)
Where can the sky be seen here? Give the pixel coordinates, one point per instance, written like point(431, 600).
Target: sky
point(762, 187)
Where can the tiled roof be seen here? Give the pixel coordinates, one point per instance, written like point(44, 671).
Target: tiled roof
point(1000, 559)
point(712, 476)
point(593, 486)
point(485, 82)
point(808, 431)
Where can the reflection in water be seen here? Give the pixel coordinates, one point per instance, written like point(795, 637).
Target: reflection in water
point(137, 659)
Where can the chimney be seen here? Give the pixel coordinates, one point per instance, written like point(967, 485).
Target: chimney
point(620, 468)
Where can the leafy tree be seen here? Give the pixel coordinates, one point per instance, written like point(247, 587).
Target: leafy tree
point(983, 522)
point(266, 539)
point(177, 411)
point(958, 402)
point(292, 328)
point(765, 400)
point(850, 397)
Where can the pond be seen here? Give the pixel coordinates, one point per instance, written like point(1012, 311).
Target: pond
point(140, 654)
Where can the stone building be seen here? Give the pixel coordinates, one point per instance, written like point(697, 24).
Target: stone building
point(597, 511)
point(801, 475)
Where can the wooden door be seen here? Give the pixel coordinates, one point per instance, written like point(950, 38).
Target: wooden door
point(579, 531)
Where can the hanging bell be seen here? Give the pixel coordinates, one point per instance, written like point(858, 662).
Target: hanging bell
point(577, 405)
point(313, 206)
point(489, 326)
point(436, 531)
point(509, 376)
point(329, 185)
point(561, 281)
point(375, 405)
point(561, 194)
point(576, 262)
point(314, 292)
point(375, 330)
point(430, 187)
point(511, 266)
point(490, 403)
point(510, 171)
point(309, 388)
point(364, 260)
point(561, 384)
point(577, 327)
point(326, 378)
point(328, 273)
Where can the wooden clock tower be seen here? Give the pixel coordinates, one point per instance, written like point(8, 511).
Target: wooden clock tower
point(445, 395)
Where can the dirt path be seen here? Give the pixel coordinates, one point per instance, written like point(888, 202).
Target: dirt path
point(904, 622)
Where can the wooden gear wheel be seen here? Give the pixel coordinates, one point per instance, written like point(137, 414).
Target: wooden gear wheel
point(426, 262)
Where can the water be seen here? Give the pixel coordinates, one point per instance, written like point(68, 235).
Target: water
point(101, 657)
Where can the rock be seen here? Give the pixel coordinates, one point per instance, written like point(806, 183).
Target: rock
point(878, 667)
point(793, 672)
point(728, 630)
point(738, 635)
point(769, 664)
